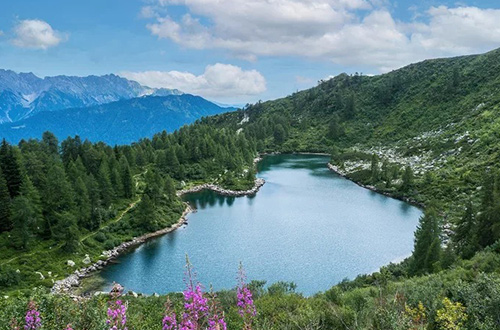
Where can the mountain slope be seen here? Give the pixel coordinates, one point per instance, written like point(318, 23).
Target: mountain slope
point(118, 122)
point(440, 117)
point(23, 95)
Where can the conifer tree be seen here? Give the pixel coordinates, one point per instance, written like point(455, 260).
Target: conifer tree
point(57, 198)
point(127, 180)
point(375, 172)
point(106, 189)
point(407, 179)
point(427, 245)
point(9, 162)
point(146, 215)
point(5, 207)
point(24, 218)
point(82, 201)
point(465, 233)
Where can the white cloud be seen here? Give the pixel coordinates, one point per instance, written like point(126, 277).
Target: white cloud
point(328, 29)
point(36, 34)
point(219, 81)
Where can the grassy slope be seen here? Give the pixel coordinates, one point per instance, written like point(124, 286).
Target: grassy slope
point(440, 116)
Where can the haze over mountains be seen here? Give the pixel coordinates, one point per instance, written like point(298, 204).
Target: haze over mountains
point(99, 108)
point(23, 95)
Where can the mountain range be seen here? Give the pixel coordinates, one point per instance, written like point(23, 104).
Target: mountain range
point(119, 122)
point(23, 95)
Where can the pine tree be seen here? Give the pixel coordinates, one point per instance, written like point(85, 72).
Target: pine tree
point(29, 191)
point(24, 218)
point(146, 215)
point(67, 231)
point(5, 205)
point(51, 143)
point(407, 179)
point(127, 180)
point(427, 246)
point(375, 172)
point(169, 189)
point(465, 233)
point(82, 200)
point(106, 189)
point(335, 130)
point(10, 164)
point(489, 215)
point(58, 197)
point(279, 134)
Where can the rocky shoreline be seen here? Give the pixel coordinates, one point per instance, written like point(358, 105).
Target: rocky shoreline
point(68, 284)
point(343, 174)
point(73, 281)
point(259, 182)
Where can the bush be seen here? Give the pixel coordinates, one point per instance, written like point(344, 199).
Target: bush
point(100, 237)
point(9, 277)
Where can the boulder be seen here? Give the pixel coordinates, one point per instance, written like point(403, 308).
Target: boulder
point(87, 260)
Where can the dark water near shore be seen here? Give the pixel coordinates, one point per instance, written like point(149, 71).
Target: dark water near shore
point(306, 225)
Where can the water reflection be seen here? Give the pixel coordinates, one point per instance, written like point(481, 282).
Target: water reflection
point(306, 225)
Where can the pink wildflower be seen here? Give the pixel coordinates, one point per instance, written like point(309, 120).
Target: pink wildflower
point(246, 307)
point(170, 318)
point(33, 320)
point(117, 310)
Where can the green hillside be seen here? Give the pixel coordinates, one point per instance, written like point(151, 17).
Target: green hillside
point(427, 133)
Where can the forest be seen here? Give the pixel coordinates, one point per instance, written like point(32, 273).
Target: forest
point(426, 133)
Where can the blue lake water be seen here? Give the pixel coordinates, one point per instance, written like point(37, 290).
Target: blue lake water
point(306, 225)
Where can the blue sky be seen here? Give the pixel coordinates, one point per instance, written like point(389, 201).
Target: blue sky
point(238, 51)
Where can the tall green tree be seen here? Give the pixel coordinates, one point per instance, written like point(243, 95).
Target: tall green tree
point(146, 216)
point(375, 171)
point(105, 186)
point(465, 237)
point(408, 179)
point(127, 180)
point(24, 218)
point(11, 168)
point(57, 198)
point(5, 207)
point(427, 247)
point(83, 205)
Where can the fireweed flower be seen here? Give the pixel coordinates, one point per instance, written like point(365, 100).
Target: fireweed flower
point(117, 310)
point(68, 327)
point(216, 319)
point(195, 304)
point(246, 307)
point(170, 319)
point(33, 320)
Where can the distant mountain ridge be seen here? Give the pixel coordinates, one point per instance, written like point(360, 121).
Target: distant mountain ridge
point(120, 122)
point(23, 95)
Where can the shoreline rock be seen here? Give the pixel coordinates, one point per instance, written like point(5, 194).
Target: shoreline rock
point(408, 200)
point(68, 284)
point(259, 182)
point(71, 282)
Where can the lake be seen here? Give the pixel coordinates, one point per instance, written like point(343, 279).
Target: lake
point(306, 225)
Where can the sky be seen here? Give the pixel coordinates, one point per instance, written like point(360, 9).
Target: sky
point(238, 51)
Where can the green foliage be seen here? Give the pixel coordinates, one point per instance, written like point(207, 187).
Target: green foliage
point(427, 244)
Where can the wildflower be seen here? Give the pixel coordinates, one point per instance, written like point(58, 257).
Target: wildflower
point(246, 307)
point(170, 319)
point(68, 327)
point(33, 320)
point(117, 310)
point(196, 305)
point(216, 319)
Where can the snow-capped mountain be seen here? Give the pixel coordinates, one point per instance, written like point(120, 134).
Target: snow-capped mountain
point(23, 95)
